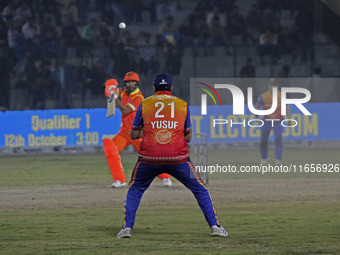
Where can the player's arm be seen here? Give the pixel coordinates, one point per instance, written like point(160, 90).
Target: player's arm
point(132, 104)
point(136, 133)
point(125, 109)
point(187, 127)
point(137, 125)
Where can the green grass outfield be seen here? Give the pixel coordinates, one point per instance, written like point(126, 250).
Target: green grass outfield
point(63, 204)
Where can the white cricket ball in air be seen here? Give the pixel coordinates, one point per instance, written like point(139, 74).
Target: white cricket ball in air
point(122, 25)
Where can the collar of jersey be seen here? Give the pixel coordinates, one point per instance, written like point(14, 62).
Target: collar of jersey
point(133, 92)
point(163, 92)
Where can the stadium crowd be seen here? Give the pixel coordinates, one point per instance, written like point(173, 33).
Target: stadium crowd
point(39, 37)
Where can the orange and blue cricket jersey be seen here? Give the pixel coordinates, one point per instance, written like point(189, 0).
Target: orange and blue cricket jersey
point(265, 101)
point(165, 120)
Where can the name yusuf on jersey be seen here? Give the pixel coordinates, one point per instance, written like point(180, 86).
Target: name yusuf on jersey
point(167, 124)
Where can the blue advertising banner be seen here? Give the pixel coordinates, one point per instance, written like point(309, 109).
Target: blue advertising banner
point(323, 124)
point(74, 127)
point(78, 127)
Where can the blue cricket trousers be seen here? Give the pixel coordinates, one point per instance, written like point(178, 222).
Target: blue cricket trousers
point(142, 176)
point(265, 132)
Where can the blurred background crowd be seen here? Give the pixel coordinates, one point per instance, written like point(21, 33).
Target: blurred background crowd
point(58, 53)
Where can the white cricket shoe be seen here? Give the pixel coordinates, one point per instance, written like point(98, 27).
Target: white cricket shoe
point(278, 162)
point(218, 231)
point(124, 233)
point(264, 161)
point(167, 182)
point(118, 184)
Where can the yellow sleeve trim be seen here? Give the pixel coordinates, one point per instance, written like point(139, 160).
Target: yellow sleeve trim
point(131, 106)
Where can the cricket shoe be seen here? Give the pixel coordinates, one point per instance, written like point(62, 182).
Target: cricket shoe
point(278, 162)
point(264, 161)
point(118, 184)
point(167, 182)
point(218, 231)
point(125, 233)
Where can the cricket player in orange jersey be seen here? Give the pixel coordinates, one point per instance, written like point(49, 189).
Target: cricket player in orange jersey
point(128, 101)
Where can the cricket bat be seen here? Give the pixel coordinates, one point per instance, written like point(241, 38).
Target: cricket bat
point(111, 107)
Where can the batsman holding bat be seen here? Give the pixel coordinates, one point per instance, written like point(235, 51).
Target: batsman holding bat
point(163, 121)
point(127, 100)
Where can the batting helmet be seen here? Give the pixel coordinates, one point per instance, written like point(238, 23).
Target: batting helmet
point(131, 76)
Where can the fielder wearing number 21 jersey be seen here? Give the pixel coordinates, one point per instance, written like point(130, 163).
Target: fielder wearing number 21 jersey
point(163, 121)
point(163, 140)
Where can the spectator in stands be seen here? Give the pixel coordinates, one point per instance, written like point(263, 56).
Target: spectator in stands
point(70, 35)
point(46, 74)
point(270, 20)
point(23, 13)
point(284, 72)
point(83, 8)
point(30, 30)
point(101, 52)
point(290, 5)
point(216, 13)
point(317, 72)
point(237, 25)
point(104, 7)
point(91, 31)
point(254, 23)
point(65, 78)
point(36, 46)
point(203, 36)
point(38, 94)
point(164, 9)
point(69, 8)
point(48, 27)
point(117, 9)
point(188, 30)
point(49, 8)
point(196, 15)
point(173, 62)
point(268, 46)
point(105, 32)
point(265, 4)
point(304, 24)
point(5, 81)
point(51, 45)
point(3, 34)
point(129, 53)
point(12, 35)
point(147, 54)
point(95, 77)
point(320, 89)
point(217, 35)
point(8, 12)
point(25, 75)
point(287, 43)
point(133, 12)
point(248, 70)
point(168, 25)
point(150, 6)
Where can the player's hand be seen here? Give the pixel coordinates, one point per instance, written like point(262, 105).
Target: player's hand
point(111, 90)
point(112, 96)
